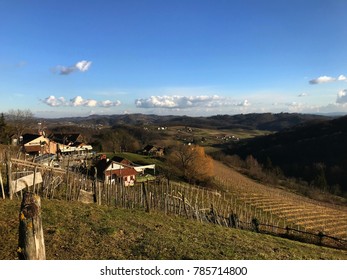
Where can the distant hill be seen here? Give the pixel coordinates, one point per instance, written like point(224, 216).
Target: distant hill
point(265, 121)
point(314, 151)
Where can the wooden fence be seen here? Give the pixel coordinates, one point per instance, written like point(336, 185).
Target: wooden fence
point(159, 195)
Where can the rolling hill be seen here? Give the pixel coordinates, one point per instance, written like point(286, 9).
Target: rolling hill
point(314, 151)
point(265, 121)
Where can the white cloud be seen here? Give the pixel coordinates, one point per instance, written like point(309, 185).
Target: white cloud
point(78, 101)
point(342, 97)
point(109, 103)
point(244, 103)
point(327, 79)
point(322, 80)
point(342, 78)
point(81, 66)
point(180, 102)
point(54, 101)
point(303, 94)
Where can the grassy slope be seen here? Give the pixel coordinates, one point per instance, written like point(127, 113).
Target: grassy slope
point(77, 231)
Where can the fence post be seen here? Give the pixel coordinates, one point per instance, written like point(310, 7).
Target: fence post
point(184, 205)
point(255, 224)
point(9, 175)
point(95, 185)
point(233, 220)
point(144, 192)
point(31, 245)
point(2, 185)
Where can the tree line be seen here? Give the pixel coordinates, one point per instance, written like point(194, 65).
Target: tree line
point(15, 123)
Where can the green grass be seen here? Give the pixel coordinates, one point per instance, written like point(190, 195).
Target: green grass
point(74, 231)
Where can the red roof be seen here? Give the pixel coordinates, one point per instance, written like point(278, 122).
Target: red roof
point(121, 172)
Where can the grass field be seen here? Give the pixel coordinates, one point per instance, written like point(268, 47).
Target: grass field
point(75, 231)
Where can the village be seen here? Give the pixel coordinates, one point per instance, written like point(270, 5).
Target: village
point(69, 151)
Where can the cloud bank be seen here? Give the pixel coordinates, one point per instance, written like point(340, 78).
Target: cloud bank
point(181, 102)
point(80, 66)
point(78, 101)
point(327, 79)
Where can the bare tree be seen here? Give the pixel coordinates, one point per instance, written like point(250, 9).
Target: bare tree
point(20, 120)
point(191, 162)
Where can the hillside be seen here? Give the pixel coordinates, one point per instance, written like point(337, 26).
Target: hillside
point(296, 210)
point(74, 231)
point(265, 121)
point(315, 152)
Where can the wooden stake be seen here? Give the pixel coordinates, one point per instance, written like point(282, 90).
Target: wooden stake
point(34, 180)
point(2, 185)
point(145, 196)
point(9, 175)
point(31, 245)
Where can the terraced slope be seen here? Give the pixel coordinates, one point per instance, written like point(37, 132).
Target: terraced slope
point(302, 212)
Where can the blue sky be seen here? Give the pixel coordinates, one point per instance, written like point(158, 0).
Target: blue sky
point(192, 57)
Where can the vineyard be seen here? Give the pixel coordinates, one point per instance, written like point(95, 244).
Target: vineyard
point(292, 209)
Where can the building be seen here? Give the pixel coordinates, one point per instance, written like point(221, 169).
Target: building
point(115, 172)
point(71, 143)
point(68, 139)
point(153, 151)
point(38, 144)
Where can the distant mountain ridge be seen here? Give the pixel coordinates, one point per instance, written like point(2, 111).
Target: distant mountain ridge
point(262, 121)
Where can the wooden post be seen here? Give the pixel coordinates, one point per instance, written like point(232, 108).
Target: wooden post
point(9, 175)
point(144, 192)
point(100, 191)
point(184, 205)
point(31, 245)
point(95, 188)
point(67, 178)
point(2, 185)
point(34, 180)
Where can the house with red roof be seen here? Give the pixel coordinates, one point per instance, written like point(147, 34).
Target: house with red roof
point(115, 172)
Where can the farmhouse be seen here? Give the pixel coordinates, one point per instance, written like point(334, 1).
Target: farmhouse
point(71, 143)
point(38, 144)
point(114, 172)
point(121, 170)
point(126, 176)
point(151, 150)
